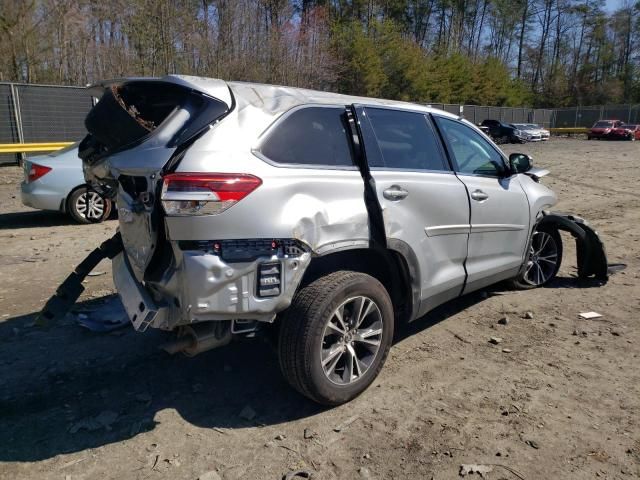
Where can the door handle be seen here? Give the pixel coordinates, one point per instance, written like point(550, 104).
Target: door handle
point(395, 193)
point(479, 195)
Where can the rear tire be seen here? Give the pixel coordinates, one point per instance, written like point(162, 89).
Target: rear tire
point(327, 351)
point(88, 206)
point(543, 260)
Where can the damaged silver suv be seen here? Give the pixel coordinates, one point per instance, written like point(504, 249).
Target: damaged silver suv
point(326, 218)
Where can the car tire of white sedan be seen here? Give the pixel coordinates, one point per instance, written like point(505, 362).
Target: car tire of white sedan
point(335, 336)
point(88, 206)
point(543, 261)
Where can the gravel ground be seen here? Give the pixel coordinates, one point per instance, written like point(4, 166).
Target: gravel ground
point(558, 398)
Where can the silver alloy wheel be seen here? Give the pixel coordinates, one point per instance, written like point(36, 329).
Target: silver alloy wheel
point(90, 205)
point(351, 340)
point(543, 258)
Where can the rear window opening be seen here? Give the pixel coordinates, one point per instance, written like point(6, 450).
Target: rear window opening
point(128, 113)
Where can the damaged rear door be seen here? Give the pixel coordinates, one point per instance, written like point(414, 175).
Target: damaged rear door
point(423, 203)
point(137, 131)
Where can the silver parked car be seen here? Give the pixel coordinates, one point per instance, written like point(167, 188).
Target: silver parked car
point(326, 218)
point(56, 182)
point(527, 132)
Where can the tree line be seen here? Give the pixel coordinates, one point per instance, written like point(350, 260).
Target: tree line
point(491, 52)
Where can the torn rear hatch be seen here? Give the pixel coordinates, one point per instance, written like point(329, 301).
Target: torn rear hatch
point(137, 131)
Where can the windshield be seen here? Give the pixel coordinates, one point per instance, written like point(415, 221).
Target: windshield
point(603, 125)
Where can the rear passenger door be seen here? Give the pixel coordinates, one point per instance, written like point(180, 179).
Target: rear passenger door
point(424, 204)
point(499, 206)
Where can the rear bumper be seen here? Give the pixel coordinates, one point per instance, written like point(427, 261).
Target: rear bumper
point(36, 195)
point(202, 287)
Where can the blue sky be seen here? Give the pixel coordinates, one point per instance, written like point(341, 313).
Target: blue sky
point(612, 5)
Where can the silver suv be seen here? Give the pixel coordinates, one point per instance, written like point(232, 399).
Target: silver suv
point(326, 219)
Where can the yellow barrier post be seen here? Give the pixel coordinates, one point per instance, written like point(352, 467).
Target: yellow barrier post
point(32, 147)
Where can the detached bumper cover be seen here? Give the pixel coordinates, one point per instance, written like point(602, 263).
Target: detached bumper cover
point(591, 254)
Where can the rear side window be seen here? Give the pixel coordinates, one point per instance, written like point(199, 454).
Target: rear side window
point(406, 140)
point(311, 136)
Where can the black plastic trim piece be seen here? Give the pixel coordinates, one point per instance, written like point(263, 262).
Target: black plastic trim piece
point(70, 290)
point(377, 232)
point(591, 254)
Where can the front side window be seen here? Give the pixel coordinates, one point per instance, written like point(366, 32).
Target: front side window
point(406, 140)
point(310, 136)
point(472, 153)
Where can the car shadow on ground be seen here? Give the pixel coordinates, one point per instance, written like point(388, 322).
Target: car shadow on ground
point(33, 219)
point(65, 389)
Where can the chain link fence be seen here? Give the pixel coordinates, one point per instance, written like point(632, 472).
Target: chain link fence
point(41, 113)
point(587, 116)
point(47, 113)
point(476, 113)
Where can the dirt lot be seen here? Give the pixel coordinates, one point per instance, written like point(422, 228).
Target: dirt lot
point(562, 402)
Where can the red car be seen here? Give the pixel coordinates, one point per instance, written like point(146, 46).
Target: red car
point(634, 132)
point(610, 129)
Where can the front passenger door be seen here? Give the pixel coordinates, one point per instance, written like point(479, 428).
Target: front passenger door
point(499, 207)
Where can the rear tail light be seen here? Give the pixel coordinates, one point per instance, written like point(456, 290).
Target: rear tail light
point(204, 194)
point(36, 171)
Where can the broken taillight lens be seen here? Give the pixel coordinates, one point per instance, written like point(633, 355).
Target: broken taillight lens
point(36, 171)
point(205, 194)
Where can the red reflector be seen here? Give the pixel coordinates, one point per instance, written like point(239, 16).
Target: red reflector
point(37, 171)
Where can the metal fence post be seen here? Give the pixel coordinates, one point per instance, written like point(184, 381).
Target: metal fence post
point(15, 101)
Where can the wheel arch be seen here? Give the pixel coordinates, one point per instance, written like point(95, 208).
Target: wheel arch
point(395, 267)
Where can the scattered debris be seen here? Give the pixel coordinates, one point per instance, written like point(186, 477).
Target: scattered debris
point(107, 317)
point(504, 320)
point(280, 437)
point(210, 475)
point(590, 315)
point(462, 339)
point(296, 474)
point(247, 413)
point(467, 469)
point(346, 423)
point(364, 472)
point(95, 274)
point(91, 424)
point(532, 443)
point(495, 340)
point(308, 434)
point(528, 315)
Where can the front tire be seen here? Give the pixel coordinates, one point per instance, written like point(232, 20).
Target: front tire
point(335, 336)
point(88, 206)
point(543, 260)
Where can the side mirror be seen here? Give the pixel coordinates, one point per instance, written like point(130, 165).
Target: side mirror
point(520, 162)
